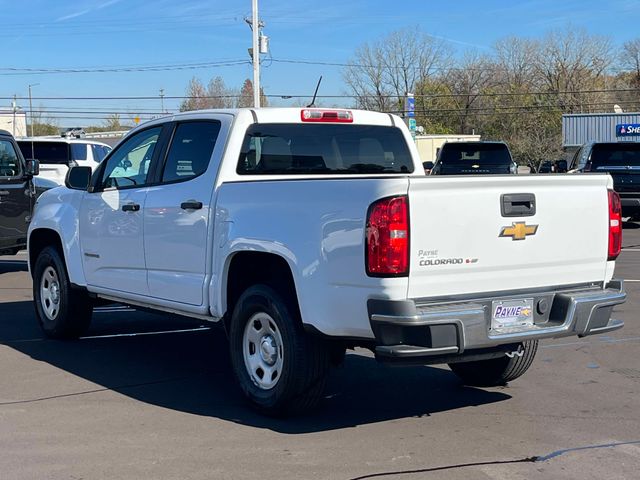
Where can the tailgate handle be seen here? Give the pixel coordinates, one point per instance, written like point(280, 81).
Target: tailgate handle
point(518, 204)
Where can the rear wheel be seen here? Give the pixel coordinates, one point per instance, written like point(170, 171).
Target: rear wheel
point(496, 371)
point(280, 368)
point(62, 311)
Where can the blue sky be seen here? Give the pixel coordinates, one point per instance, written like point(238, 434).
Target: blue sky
point(90, 34)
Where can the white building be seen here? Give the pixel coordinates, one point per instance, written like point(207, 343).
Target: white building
point(14, 122)
point(430, 145)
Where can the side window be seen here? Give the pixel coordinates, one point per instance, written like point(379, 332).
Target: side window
point(79, 151)
point(99, 152)
point(190, 150)
point(129, 165)
point(9, 161)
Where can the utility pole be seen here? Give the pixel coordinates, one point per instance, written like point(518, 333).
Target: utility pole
point(162, 100)
point(31, 106)
point(14, 108)
point(255, 30)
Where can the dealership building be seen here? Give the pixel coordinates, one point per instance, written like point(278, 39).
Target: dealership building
point(599, 127)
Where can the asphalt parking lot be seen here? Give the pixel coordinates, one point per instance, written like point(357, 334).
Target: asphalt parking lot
point(151, 396)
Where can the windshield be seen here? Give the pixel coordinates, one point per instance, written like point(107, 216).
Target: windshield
point(474, 158)
point(46, 152)
point(323, 149)
point(607, 156)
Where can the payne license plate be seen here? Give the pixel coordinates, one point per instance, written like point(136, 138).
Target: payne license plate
point(507, 314)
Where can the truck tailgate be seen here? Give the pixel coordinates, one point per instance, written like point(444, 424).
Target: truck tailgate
point(457, 222)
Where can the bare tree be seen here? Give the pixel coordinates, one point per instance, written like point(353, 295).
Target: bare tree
point(514, 61)
point(573, 60)
point(382, 73)
point(630, 59)
point(474, 77)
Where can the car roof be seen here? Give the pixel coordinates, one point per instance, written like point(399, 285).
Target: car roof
point(5, 133)
point(61, 140)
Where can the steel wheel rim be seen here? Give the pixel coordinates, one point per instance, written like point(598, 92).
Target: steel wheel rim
point(50, 293)
point(263, 351)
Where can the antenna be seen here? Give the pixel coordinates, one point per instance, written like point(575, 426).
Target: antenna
point(315, 94)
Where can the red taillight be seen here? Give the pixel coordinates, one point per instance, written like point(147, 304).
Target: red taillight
point(387, 233)
point(331, 116)
point(615, 225)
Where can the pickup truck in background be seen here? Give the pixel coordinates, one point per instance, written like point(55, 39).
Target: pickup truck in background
point(621, 160)
point(310, 231)
point(474, 158)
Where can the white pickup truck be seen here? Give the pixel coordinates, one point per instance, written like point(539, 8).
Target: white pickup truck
point(310, 231)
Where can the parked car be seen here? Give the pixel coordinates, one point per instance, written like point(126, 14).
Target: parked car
point(473, 158)
point(18, 191)
point(57, 155)
point(621, 160)
point(73, 132)
point(309, 231)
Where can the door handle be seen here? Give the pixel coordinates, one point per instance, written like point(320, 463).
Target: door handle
point(131, 207)
point(4, 193)
point(518, 205)
point(191, 205)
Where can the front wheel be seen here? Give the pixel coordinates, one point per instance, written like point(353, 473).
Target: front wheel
point(63, 312)
point(496, 371)
point(280, 368)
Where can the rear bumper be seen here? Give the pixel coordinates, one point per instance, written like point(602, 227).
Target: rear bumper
point(442, 331)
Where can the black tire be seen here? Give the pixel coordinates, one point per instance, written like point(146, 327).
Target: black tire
point(305, 358)
point(72, 317)
point(496, 371)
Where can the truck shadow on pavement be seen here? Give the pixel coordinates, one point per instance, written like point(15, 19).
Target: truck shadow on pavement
point(190, 372)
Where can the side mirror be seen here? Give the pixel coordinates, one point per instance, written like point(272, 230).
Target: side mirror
point(78, 178)
point(33, 167)
point(428, 166)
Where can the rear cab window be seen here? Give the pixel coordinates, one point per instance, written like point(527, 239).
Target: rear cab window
point(47, 153)
point(474, 158)
point(615, 156)
point(296, 149)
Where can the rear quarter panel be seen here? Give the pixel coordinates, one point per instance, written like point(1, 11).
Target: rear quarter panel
point(318, 227)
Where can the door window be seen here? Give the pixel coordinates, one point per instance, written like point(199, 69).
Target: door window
point(129, 164)
point(190, 150)
point(9, 161)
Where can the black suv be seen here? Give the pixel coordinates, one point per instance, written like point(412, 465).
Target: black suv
point(18, 193)
point(619, 159)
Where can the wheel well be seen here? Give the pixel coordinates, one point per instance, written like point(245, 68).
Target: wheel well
point(251, 268)
point(39, 240)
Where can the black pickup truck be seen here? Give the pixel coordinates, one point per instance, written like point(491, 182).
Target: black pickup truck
point(473, 158)
point(18, 192)
point(622, 161)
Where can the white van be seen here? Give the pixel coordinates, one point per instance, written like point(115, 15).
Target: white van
point(57, 155)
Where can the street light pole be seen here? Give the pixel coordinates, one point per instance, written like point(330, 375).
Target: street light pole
point(255, 27)
point(31, 106)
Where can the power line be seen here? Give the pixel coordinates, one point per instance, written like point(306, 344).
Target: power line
point(8, 71)
point(385, 96)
